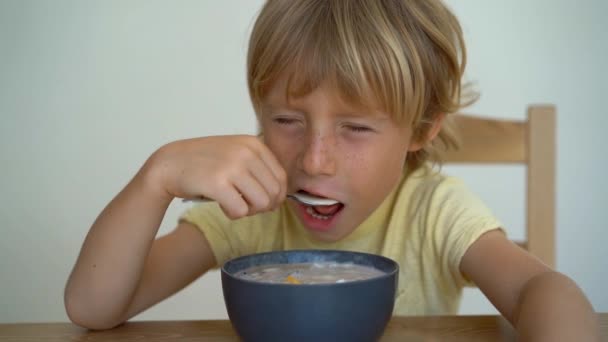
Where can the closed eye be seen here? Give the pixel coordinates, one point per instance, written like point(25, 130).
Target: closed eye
point(359, 129)
point(284, 121)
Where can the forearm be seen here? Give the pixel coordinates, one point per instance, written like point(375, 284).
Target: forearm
point(113, 255)
point(552, 307)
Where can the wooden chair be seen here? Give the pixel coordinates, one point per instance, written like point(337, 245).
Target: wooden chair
point(530, 142)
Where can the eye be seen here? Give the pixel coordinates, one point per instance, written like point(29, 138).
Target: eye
point(284, 121)
point(358, 129)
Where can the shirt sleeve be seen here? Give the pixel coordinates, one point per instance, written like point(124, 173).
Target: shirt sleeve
point(457, 218)
point(224, 240)
point(228, 238)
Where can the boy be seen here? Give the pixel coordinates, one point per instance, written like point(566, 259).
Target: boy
point(351, 98)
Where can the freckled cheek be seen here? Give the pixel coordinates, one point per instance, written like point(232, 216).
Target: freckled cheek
point(356, 160)
point(375, 172)
point(358, 168)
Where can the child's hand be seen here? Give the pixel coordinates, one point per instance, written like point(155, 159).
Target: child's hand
point(239, 172)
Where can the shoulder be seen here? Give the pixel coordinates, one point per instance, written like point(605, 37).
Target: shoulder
point(451, 218)
point(444, 207)
point(430, 185)
point(426, 198)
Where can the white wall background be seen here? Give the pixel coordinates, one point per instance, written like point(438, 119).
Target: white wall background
point(88, 89)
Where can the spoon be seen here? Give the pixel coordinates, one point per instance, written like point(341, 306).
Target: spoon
point(298, 196)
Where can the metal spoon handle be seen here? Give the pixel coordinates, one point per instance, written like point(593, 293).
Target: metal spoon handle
point(302, 198)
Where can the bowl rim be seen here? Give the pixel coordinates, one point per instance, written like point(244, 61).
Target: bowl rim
point(390, 274)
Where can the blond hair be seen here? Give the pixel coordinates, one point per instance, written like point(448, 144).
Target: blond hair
point(405, 56)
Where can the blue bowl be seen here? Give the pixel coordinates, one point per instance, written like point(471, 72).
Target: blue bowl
point(350, 311)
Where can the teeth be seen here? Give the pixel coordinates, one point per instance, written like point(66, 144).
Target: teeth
point(316, 215)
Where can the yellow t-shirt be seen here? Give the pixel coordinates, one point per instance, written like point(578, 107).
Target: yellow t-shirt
point(425, 224)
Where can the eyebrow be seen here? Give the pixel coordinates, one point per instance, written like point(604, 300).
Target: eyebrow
point(371, 114)
point(265, 106)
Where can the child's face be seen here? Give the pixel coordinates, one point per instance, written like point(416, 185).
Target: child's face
point(334, 150)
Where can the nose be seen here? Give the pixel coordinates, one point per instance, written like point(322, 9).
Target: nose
point(318, 156)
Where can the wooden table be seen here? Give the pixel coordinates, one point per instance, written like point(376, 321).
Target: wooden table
point(442, 328)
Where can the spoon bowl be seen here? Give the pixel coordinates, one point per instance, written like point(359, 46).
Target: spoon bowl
point(311, 200)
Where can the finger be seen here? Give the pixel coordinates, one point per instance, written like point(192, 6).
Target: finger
point(253, 193)
point(272, 163)
point(232, 202)
point(269, 182)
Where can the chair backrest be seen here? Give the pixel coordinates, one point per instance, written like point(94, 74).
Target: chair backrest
point(530, 142)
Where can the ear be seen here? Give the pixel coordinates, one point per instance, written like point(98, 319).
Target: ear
point(432, 134)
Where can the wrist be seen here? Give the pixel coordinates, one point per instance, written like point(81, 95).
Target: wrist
point(149, 180)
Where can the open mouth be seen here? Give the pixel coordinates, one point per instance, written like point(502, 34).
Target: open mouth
point(320, 217)
point(324, 212)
